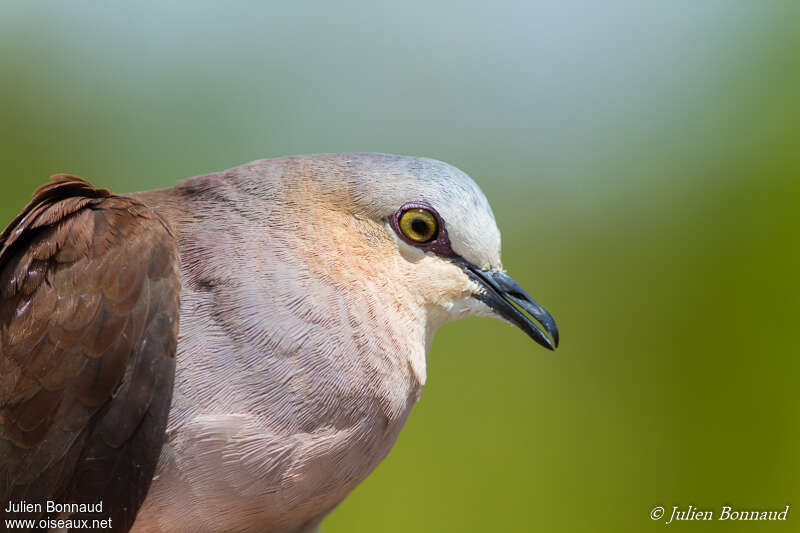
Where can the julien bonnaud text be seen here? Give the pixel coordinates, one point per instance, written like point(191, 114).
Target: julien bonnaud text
point(726, 513)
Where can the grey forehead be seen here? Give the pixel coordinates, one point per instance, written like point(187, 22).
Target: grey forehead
point(382, 183)
point(387, 181)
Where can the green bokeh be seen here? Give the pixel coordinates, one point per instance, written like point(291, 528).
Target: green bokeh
point(644, 166)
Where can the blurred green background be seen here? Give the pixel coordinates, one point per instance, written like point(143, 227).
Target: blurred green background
point(644, 166)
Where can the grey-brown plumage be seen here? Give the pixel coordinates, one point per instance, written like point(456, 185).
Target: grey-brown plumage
point(311, 290)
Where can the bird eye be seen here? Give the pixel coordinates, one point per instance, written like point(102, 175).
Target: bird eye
point(419, 225)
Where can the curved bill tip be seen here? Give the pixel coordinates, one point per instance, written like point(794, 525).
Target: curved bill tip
point(510, 301)
point(540, 314)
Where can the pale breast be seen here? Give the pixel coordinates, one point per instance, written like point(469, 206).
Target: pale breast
point(278, 411)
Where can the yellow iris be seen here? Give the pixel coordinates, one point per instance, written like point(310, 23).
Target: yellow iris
point(419, 225)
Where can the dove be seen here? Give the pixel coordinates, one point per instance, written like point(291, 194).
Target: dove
point(237, 352)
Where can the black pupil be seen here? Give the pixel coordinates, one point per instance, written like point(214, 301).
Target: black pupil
point(420, 227)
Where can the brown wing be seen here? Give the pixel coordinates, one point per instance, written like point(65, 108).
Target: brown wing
point(88, 328)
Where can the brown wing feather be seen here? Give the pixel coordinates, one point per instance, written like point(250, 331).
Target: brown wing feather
point(89, 289)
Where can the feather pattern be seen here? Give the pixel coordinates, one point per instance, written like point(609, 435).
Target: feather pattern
point(88, 330)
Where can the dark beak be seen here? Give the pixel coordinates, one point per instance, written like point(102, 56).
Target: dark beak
point(511, 302)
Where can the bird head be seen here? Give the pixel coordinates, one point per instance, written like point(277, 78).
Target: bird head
point(421, 223)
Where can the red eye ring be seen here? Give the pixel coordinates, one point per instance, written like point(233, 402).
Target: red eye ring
point(439, 242)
